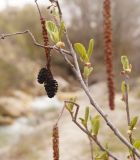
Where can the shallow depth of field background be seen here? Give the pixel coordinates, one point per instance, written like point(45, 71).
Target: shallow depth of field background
point(26, 114)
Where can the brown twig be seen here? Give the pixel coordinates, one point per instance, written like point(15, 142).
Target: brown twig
point(94, 104)
point(60, 115)
point(126, 100)
point(3, 36)
point(74, 119)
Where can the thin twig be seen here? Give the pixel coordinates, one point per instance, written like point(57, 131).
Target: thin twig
point(126, 77)
point(74, 119)
point(91, 147)
point(95, 105)
point(38, 9)
point(3, 36)
point(60, 115)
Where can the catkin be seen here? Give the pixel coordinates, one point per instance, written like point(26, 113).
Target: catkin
point(108, 50)
point(45, 38)
point(45, 76)
point(55, 141)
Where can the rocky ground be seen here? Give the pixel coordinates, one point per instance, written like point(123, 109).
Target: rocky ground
point(27, 121)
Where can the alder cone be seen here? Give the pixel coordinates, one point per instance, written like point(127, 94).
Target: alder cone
point(108, 50)
point(44, 75)
point(51, 87)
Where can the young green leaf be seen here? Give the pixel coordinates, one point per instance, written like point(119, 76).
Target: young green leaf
point(55, 36)
point(61, 29)
point(83, 122)
point(102, 156)
point(87, 71)
point(90, 48)
point(70, 106)
point(86, 115)
point(137, 144)
point(125, 62)
point(95, 123)
point(124, 87)
point(53, 31)
point(133, 123)
point(51, 26)
point(80, 49)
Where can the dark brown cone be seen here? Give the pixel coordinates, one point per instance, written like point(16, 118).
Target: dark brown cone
point(55, 143)
point(108, 50)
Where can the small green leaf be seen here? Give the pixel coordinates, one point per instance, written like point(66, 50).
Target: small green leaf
point(70, 106)
point(95, 123)
point(86, 115)
point(61, 29)
point(87, 71)
point(102, 156)
point(51, 26)
point(80, 49)
point(55, 36)
point(55, 13)
point(137, 144)
point(125, 62)
point(90, 48)
point(124, 87)
point(83, 122)
point(53, 31)
point(133, 123)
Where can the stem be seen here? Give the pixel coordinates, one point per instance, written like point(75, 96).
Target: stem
point(95, 105)
point(86, 131)
point(128, 111)
point(3, 36)
point(91, 146)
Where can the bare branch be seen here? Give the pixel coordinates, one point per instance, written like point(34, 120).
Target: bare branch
point(95, 105)
point(74, 119)
point(126, 99)
point(3, 36)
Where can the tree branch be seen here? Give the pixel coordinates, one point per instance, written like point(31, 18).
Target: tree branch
point(95, 105)
point(74, 119)
point(3, 36)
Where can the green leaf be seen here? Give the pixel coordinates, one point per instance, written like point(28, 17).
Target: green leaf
point(87, 71)
point(51, 26)
point(133, 123)
point(53, 31)
point(123, 87)
point(86, 115)
point(70, 106)
point(83, 122)
point(61, 29)
point(55, 13)
point(80, 49)
point(95, 123)
point(102, 156)
point(137, 144)
point(90, 48)
point(125, 62)
point(55, 36)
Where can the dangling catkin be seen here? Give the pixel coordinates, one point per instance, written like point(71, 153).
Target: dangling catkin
point(108, 50)
point(55, 143)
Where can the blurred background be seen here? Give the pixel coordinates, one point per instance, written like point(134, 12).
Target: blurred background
point(26, 114)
